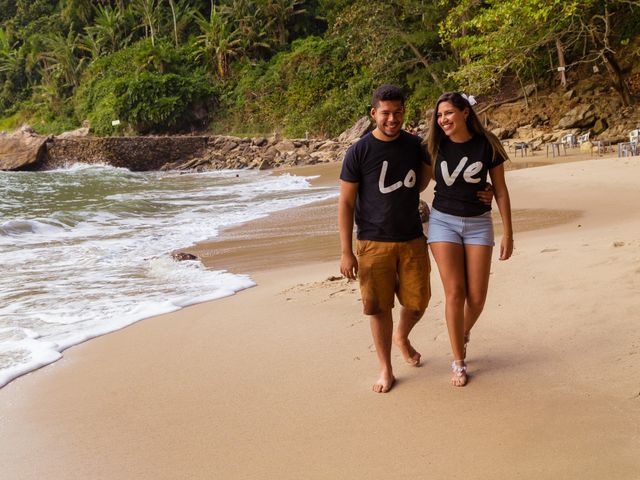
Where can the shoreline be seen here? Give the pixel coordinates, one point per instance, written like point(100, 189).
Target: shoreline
point(275, 382)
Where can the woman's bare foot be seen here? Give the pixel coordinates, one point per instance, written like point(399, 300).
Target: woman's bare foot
point(459, 378)
point(410, 354)
point(384, 383)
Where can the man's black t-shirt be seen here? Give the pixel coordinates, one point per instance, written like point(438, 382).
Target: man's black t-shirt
point(388, 177)
point(460, 173)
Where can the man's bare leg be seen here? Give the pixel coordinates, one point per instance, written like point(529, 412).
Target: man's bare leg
point(382, 331)
point(408, 320)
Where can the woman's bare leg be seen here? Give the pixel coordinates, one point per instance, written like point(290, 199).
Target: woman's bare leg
point(450, 258)
point(477, 269)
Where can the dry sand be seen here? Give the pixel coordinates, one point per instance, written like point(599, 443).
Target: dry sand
point(274, 382)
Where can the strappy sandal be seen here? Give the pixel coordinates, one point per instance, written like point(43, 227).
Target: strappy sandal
point(460, 373)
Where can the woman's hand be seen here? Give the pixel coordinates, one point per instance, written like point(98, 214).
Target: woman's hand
point(506, 248)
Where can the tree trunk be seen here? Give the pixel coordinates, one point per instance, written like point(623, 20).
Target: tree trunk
point(424, 61)
point(561, 63)
point(617, 78)
point(175, 25)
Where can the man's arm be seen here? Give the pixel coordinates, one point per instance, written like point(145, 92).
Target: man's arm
point(486, 195)
point(346, 207)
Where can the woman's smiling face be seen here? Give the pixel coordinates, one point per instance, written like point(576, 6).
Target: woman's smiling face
point(453, 122)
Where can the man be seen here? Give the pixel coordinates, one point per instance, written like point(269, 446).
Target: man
point(381, 180)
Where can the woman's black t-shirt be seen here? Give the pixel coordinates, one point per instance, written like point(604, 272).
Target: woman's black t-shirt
point(460, 173)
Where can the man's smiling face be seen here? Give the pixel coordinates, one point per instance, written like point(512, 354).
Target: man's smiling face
point(389, 117)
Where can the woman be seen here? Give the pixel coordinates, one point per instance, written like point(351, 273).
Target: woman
point(460, 225)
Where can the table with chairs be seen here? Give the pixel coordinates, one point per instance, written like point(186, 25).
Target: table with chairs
point(522, 147)
point(556, 148)
point(630, 148)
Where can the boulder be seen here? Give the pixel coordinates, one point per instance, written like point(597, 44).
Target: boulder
point(586, 147)
point(22, 149)
point(582, 116)
point(265, 165)
point(80, 132)
point(501, 133)
point(530, 89)
point(600, 126)
point(285, 146)
point(353, 134)
point(539, 119)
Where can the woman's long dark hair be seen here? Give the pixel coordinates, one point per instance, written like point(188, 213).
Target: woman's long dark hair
point(436, 134)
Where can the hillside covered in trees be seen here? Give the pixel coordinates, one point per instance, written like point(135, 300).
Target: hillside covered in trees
point(293, 66)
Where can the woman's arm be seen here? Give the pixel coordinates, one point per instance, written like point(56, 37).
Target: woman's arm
point(504, 205)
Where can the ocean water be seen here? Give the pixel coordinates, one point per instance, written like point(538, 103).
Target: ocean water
point(85, 250)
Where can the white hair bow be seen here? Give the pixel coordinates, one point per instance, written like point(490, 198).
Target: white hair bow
point(469, 98)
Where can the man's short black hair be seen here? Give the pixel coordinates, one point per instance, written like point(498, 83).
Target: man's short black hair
point(387, 92)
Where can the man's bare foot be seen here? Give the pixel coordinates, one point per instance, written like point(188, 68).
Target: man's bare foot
point(459, 378)
point(410, 354)
point(384, 383)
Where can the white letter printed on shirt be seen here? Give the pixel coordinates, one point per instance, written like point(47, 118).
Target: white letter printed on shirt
point(410, 179)
point(383, 173)
point(468, 174)
point(471, 171)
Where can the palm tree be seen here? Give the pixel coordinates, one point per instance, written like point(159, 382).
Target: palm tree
point(59, 59)
point(90, 43)
point(73, 11)
point(216, 44)
point(181, 14)
point(252, 24)
point(9, 56)
point(279, 12)
point(148, 10)
point(109, 28)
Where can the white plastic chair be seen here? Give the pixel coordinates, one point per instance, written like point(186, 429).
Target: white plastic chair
point(583, 138)
point(569, 140)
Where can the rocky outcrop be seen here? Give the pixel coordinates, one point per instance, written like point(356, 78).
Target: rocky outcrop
point(192, 153)
point(22, 149)
point(134, 153)
point(226, 152)
point(80, 132)
point(198, 153)
point(353, 134)
point(582, 116)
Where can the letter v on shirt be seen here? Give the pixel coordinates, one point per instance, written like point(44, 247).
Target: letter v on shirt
point(409, 180)
point(467, 175)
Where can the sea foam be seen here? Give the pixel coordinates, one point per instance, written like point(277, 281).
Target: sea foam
point(84, 250)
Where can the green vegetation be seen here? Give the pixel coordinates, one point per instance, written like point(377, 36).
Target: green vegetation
point(294, 66)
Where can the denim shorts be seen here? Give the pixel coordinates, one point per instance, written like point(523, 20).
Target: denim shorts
point(462, 230)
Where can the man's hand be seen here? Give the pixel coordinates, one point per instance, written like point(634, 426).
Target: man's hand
point(349, 266)
point(486, 195)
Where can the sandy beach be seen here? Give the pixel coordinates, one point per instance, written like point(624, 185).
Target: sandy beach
point(275, 381)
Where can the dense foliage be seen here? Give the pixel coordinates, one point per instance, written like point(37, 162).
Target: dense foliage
point(295, 66)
